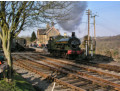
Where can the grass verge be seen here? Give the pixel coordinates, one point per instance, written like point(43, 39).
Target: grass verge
point(18, 84)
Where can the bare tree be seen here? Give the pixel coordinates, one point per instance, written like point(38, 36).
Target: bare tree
point(16, 15)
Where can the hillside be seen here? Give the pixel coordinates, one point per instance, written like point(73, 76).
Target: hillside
point(108, 45)
point(108, 42)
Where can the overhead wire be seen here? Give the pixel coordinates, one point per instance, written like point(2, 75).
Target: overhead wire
point(109, 28)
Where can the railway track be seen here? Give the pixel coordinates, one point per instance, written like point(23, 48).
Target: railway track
point(81, 76)
point(103, 66)
point(53, 74)
point(88, 63)
point(91, 73)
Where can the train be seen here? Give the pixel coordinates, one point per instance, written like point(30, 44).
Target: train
point(17, 44)
point(67, 47)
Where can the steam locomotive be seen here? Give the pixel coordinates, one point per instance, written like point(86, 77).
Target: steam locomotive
point(67, 47)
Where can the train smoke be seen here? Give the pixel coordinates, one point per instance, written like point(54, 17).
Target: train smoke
point(75, 16)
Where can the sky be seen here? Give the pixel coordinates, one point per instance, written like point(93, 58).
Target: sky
point(107, 20)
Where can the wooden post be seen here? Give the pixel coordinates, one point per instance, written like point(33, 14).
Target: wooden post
point(86, 48)
point(119, 52)
point(88, 13)
point(91, 48)
point(53, 86)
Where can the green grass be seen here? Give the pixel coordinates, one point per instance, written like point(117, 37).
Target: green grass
point(18, 84)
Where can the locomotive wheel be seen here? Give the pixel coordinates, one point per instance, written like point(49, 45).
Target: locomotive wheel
point(53, 53)
point(67, 56)
point(57, 54)
point(63, 55)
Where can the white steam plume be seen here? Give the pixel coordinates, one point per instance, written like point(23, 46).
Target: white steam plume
point(74, 16)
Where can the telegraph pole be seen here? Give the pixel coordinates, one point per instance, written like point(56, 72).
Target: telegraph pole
point(88, 13)
point(94, 32)
point(94, 27)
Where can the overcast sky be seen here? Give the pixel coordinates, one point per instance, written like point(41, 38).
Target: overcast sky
point(107, 21)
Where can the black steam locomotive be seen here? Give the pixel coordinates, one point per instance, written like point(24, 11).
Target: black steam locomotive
point(67, 47)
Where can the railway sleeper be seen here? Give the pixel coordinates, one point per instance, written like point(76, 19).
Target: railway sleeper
point(71, 81)
point(93, 75)
point(89, 76)
point(90, 87)
point(99, 73)
point(79, 83)
point(76, 65)
point(53, 79)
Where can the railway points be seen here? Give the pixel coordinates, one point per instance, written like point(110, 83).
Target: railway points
point(93, 76)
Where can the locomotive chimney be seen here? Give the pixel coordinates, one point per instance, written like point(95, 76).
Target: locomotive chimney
point(73, 34)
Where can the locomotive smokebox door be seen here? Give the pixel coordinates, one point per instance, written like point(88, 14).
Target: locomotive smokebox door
point(73, 34)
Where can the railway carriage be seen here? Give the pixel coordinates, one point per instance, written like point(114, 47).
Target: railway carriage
point(17, 44)
point(64, 47)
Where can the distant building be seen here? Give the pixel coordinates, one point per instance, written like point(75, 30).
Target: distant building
point(44, 34)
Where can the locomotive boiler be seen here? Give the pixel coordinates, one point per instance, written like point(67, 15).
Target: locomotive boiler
point(67, 47)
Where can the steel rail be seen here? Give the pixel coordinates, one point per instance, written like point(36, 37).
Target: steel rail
point(88, 77)
point(47, 76)
point(85, 68)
